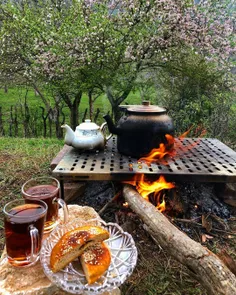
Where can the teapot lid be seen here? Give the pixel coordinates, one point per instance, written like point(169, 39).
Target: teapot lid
point(146, 107)
point(87, 125)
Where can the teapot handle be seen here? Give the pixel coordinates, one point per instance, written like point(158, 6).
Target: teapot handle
point(103, 127)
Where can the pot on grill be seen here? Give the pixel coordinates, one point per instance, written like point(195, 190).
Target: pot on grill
point(142, 128)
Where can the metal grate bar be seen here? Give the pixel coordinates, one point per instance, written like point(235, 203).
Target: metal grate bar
point(196, 159)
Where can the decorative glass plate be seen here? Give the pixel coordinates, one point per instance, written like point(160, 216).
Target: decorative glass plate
point(72, 279)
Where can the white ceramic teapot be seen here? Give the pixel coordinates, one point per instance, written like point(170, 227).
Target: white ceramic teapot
point(87, 136)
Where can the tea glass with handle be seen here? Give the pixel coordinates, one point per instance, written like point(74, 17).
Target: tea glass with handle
point(24, 226)
point(46, 188)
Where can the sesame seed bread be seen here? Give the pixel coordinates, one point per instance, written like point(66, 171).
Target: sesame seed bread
point(73, 243)
point(95, 260)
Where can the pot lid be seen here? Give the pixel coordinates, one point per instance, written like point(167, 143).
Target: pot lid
point(87, 125)
point(146, 107)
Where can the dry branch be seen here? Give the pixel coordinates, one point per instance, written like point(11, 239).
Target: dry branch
point(205, 266)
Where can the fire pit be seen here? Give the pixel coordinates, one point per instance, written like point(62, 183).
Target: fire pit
point(194, 160)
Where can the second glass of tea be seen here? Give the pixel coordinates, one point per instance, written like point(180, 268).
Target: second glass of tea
point(47, 189)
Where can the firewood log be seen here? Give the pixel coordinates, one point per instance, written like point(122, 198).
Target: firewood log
point(203, 264)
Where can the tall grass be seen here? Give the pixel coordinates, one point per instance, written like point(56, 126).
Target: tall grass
point(21, 159)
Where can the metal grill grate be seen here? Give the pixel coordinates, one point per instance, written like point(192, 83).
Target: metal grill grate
point(196, 159)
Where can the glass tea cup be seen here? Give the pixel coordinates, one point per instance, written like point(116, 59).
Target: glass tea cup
point(46, 188)
point(24, 227)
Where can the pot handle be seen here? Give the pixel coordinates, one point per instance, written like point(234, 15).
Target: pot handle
point(103, 127)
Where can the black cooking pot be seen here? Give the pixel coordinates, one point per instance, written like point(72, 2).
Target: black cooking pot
point(142, 128)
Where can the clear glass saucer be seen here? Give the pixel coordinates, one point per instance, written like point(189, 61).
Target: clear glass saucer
point(72, 279)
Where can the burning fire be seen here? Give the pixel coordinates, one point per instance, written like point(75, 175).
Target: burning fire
point(162, 151)
point(146, 188)
point(154, 189)
point(169, 148)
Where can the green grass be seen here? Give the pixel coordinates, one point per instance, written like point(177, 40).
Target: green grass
point(17, 96)
point(21, 159)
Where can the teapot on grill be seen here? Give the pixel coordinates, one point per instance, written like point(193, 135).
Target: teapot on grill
point(87, 136)
point(142, 128)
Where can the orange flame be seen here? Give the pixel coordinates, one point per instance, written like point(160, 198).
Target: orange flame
point(145, 188)
point(199, 132)
point(162, 151)
point(169, 148)
point(162, 206)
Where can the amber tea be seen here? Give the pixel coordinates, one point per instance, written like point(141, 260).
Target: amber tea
point(48, 194)
point(24, 225)
point(46, 189)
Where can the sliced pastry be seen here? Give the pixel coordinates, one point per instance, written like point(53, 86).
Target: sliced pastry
point(95, 260)
point(73, 243)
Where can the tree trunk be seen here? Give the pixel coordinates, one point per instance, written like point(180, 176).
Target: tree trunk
point(204, 265)
point(11, 122)
point(58, 123)
point(90, 96)
point(84, 115)
point(73, 105)
point(2, 132)
point(16, 122)
point(43, 98)
point(116, 101)
point(60, 132)
point(96, 115)
point(26, 121)
point(74, 111)
point(44, 118)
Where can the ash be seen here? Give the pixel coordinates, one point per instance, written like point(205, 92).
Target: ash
point(200, 198)
point(98, 194)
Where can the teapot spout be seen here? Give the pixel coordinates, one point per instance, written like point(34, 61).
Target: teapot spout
point(69, 136)
point(112, 128)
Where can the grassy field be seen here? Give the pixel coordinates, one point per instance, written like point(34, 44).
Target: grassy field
point(18, 96)
point(15, 122)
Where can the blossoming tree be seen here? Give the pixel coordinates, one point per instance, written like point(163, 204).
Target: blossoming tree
point(74, 47)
